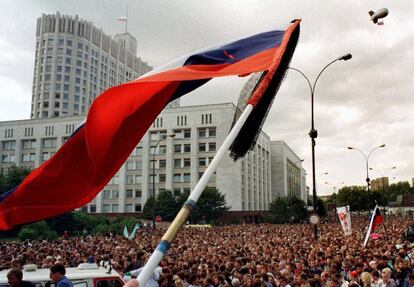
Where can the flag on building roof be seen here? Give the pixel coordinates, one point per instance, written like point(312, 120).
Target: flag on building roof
point(122, 18)
point(119, 118)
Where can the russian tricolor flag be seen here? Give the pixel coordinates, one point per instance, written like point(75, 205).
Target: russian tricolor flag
point(119, 118)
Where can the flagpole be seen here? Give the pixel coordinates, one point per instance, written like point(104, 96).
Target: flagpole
point(126, 20)
point(184, 213)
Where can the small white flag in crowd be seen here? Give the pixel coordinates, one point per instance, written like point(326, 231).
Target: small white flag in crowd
point(344, 215)
point(133, 233)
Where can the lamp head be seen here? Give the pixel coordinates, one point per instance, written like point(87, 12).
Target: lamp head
point(345, 57)
point(350, 147)
point(383, 145)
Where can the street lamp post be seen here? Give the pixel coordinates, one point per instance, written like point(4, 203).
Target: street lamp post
point(313, 132)
point(153, 176)
point(366, 161)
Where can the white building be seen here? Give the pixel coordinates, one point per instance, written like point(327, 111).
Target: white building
point(179, 161)
point(75, 62)
point(288, 175)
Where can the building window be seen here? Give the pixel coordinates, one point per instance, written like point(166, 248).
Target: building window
point(48, 143)
point(187, 134)
point(212, 132)
point(177, 148)
point(92, 208)
point(212, 146)
point(202, 161)
point(137, 207)
point(187, 148)
point(162, 149)
point(177, 162)
point(129, 193)
point(162, 178)
point(28, 157)
point(8, 145)
point(186, 177)
point(28, 144)
point(202, 133)
point(130, 165)
point(106, 208)
point(162, 163)
point(138, 151)
point(114, 207)
point(202, 147)
point(138, 193)
point(8, 133)
point(129, 207)
point(115, 194)
point(106, 194)
point(177, 177)
point(177, 191)
point(187, 162)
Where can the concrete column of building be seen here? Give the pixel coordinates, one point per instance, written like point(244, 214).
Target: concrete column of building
point(169, 162)
point(18, 150)
point(146, 167)
point(121, 187)
point(99, 202)
point(38, 146)
point(194, 158)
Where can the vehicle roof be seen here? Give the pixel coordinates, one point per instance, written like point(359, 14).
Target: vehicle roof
point(73, 273)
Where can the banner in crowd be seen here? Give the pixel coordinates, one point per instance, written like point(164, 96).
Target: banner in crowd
point(344, 215)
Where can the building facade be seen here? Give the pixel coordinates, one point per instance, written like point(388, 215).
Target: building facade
point(172, 155)
point(75, 62)
point(288, 175)
point(379, 183)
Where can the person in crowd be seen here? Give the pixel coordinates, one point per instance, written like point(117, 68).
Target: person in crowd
point(57, 274)
point(15, 279)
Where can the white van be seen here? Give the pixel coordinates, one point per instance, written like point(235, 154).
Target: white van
point(85, 275)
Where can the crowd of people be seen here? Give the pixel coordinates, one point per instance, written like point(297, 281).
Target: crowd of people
point(261, 255)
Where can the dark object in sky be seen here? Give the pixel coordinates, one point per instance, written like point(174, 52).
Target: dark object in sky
point(379, 14)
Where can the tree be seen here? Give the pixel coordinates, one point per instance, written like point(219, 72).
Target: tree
point(286, 209)
point(209, 207)
point(357, 197)
point(148, 209)
point(90, 222)
point(12, 178)
point(37, 230)
point(320, 207)
point(166, 205)
point(396, 189)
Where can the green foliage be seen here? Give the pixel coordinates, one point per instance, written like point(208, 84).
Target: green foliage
point(355, 196)
point(117, 225)
point(394, 190)
point(166, 205)
point(38, 230)
point(90, 222)
point(13, 177)
point(147, 210)
point(63, 222)
point(359, 199)
point(286, 209)
point(211, 205)
point(320, 207)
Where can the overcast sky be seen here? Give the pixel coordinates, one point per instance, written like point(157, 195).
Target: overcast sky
point(364, 102)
